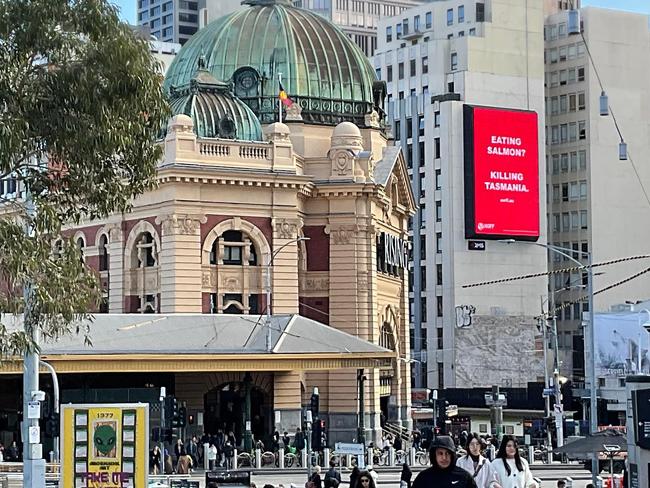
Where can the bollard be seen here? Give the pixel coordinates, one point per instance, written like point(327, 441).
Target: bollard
point(531, 454)
point(281, 458)
point(368, 456)
point(326, 458)
point(303, 454)
point(258, 458)
point(391, 456)
point(412, 452)
point(206, 461)
point(348, 461)
point(234, 459)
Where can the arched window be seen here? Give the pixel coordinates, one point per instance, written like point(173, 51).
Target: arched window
point(103, 253)
point(147, 254)
point(234, 249)
point(386, 337)
point(80, 245)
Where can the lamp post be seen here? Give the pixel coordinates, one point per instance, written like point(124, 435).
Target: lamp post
point(590, 366)
point(640, 359)
point(268, 288)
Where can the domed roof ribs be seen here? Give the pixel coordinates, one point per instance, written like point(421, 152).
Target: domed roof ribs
point(322, 76)
point(309, 58)
point(336, 41)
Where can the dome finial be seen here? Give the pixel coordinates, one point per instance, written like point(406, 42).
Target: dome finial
point(201, 61)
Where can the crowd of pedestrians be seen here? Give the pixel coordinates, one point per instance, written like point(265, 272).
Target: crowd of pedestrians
point(473, 470)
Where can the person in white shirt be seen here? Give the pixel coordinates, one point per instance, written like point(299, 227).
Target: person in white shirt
point(477, 465)
point(511, 470)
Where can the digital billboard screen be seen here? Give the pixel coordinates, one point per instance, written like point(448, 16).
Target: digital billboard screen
point(501, 173)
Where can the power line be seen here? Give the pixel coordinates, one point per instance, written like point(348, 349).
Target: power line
point(557, 271)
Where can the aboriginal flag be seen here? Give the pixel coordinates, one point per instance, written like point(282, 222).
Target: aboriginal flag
point(284, 98)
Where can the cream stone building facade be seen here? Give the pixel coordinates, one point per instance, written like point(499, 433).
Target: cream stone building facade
point(317, 205)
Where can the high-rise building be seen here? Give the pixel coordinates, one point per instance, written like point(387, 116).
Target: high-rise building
point(439, 60)
point(595, 200)
point(169, 20)
point(358, 18)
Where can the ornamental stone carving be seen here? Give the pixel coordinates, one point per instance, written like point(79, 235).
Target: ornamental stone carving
point(372, 119)
point(315, 284)
point(294, 113)
point(115, 233)
point(287, 229)
point(180, 224)
point(208, 278)
point(231, 283)
point(343, 234)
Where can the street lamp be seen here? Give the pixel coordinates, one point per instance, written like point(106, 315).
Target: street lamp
point(268, 287)
point(590, 365)
point(644, 324)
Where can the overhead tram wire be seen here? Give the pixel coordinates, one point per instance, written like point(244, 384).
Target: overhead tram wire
point(557, 271)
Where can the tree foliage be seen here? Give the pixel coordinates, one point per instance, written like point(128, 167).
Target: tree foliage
point(81, 106)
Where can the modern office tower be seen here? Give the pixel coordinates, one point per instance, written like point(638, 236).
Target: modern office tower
point(358, 18)
point(596, 201)
point(169, 20)
point(439, 60)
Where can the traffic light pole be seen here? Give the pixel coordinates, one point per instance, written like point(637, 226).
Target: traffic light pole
point(55, 398)
point(163, 394)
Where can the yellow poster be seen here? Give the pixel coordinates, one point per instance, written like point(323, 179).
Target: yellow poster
point(105, 445)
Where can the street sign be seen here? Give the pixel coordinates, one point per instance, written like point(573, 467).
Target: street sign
point(548, 392)
point(349, 448)
point(34, 410)
point(558, 409)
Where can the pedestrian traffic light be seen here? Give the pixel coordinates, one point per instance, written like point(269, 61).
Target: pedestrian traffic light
point(168, 436)
point(316, 436)
point(182, 416)
point(190, 419)
point(171, 409)
point(314, 403)
point(52, 425)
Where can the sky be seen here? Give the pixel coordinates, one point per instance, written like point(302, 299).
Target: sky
point(642, 6)
point(127, 7)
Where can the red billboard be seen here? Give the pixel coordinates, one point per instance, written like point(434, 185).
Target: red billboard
point(501, 173)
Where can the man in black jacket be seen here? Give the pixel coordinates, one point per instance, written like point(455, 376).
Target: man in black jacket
point(443, 472)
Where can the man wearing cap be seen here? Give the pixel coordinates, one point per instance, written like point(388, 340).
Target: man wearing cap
point(443, 472)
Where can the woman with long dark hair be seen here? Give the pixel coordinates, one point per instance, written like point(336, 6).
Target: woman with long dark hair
point(475, 464)
point(365, 480)
point(511, 470)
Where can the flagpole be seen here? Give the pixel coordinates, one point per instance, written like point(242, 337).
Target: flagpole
point(279, 99)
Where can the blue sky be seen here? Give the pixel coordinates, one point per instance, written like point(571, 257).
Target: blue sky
point(642, 6)
point(127, 9)
point(128, 6)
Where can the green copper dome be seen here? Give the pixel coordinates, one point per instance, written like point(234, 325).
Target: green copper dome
point(214, 110)
point(321, 68)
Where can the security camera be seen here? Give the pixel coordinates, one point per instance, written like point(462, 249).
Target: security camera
point(38, 396)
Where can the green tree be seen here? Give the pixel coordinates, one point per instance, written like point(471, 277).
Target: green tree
point(81, 106)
